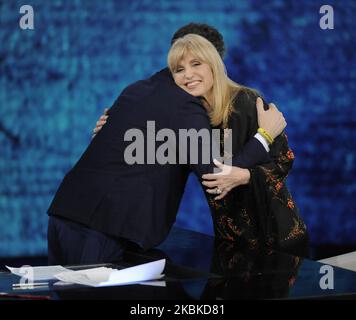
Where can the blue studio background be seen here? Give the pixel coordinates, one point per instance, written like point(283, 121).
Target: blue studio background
point(55, 81)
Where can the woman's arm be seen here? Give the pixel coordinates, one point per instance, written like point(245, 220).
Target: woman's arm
point(274, 172)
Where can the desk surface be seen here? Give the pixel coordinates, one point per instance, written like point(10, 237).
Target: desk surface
point(198, 268)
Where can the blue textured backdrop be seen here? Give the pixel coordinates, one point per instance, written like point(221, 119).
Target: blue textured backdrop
point(56, 79)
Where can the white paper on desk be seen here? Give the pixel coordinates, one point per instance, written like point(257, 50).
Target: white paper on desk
point(104, 277)
point(37, 273)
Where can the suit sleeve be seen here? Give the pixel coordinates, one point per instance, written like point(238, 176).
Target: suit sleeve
point(276, 171)
point(192, 116)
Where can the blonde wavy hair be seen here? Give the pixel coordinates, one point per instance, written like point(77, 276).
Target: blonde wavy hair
point(224, 90)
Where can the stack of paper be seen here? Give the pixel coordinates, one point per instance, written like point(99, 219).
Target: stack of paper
point(37, 273)
point(95, 277)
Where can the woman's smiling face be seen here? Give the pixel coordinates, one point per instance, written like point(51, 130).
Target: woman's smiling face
point(194, 76)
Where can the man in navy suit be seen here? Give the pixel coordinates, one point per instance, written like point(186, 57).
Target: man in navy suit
point(103, 202)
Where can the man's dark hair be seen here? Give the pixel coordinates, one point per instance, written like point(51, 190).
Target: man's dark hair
point(204, 30)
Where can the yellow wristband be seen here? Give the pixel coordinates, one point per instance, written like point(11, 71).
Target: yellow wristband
point(265, 134)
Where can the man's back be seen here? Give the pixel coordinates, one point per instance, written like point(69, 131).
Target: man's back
point(138, 201)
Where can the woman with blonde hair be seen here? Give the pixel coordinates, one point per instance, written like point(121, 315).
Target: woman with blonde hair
point(261, 212)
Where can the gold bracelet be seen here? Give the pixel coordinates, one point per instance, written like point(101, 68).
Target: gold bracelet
point(265, 134)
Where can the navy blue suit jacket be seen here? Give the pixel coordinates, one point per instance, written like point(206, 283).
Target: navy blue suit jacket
point(138, 202)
